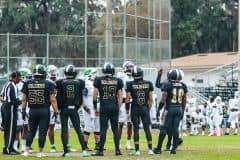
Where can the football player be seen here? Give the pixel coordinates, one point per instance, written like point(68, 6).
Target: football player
point(91, 121)
point(109, 89)
point(52, 74)
point(124, 115)
point(22, 125)
point(217, 114)
point(234, 106)
point(140, 91)
point(174, 96)
point(39, 93)
point(70, 94)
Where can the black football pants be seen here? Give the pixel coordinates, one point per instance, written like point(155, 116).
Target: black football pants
point(65, 114)
point(173, 120)
point(9, 118)
point(137, 114)
point(38, 119)
point(107, 113)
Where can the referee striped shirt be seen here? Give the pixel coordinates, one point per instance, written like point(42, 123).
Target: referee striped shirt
point(9, 92)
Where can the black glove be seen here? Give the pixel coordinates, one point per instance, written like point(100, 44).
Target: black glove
point(17, 102)
point(24, 114)
point(55, 115)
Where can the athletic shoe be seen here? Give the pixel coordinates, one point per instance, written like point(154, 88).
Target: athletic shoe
point(157, 151)
point(85, 153)
point(136, 153)
point(118, 153)
point(98, 153)
point(150, 152)
point(65, 154)
point(173, 151)
point(53, 149)
point(226, 133)
point(41, 154)
point(25, 153)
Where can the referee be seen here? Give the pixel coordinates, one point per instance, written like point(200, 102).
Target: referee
point(10, 103)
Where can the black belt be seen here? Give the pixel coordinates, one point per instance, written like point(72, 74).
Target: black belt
point(234, 110)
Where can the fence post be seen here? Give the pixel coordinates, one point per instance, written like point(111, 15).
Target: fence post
point(47, 50)
point(8, 53)
point(99, 54)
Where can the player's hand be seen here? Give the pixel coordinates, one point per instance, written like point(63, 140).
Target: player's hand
point(96, 112)
point(160, 71)
point(55, 115)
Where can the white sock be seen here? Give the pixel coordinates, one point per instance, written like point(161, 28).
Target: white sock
point(236, 130)
point(15, 144)
point(23, 144)
point(227, 130)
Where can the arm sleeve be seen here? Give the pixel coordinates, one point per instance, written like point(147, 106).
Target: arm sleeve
point(151, 86)
point(120, 84)
point(24, 88)
point(158, 83)
point(52, 88)
point(96, 83)
point(128, 89)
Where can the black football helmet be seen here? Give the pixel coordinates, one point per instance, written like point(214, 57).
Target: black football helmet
point(137, 72)
point(70, 71)
point(39, 71)
point(174, 75)
point(108, 69)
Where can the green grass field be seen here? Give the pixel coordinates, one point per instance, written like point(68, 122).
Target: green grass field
point(194, 147)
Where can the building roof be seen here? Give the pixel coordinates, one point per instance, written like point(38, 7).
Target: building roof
point(205, 60)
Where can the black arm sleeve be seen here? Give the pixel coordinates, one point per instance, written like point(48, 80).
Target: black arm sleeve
point(158, 83)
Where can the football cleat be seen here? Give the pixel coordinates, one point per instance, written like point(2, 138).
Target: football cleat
point(25, 153)
point(85, 153)
point(98, 153)
point(136, 153)
point(65, 154)
point(118, 153)
point(157, 151)
point(150, 152)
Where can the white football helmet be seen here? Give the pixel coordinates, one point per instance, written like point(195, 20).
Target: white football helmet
point(52, 72)
point(128, 67)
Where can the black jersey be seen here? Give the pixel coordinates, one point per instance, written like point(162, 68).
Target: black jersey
point(69, 92)
point(175, 93)
point(139, 92)
point(38, 92)
point(108, 88)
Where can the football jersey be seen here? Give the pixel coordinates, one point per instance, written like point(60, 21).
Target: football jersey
point(88, 98)
point(139, 91)
point(38, 92)
point(108, 88)
point(175, 93)
point(19, 87)
point(71, 91)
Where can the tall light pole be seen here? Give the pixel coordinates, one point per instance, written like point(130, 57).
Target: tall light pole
point(238, 44)
point(109, 55)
